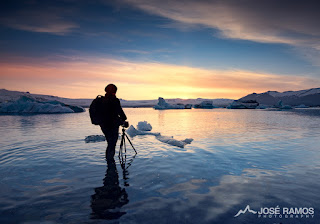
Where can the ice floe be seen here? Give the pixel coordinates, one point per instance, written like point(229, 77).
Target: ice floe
point(171, 141)
point(144, 126)
point(132, 131)
point(95, 138)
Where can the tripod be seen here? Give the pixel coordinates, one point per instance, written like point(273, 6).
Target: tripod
point(123, 155)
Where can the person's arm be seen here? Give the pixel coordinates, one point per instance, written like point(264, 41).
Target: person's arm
point(121, 114)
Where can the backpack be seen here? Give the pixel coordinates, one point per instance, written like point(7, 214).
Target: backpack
point(95, 110)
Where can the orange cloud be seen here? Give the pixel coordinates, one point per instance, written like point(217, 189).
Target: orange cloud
point(87, 78)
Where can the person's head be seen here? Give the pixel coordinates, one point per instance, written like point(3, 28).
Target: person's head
point(111, 89)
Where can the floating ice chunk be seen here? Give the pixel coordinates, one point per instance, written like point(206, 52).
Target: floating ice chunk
point(301, 106)
point(236, 105)
point(133, 132)
point(245, 104)
point(188, 140)
point(144, 126)
point(95, 138)
point(163, 105)
point(206, 104)
point(262, 106)
point(286, 107)
point(171, 141)
point(281, 106)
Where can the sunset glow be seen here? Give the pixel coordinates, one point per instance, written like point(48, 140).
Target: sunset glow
point(142, 80)
point(188, 49)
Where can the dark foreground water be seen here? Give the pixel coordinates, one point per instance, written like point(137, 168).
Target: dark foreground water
point(259, 158)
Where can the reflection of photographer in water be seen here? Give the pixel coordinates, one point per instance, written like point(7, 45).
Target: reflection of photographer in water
point(108, 199)
point(113, 117)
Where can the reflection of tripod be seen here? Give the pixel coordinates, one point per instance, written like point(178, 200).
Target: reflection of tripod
point(123, 155)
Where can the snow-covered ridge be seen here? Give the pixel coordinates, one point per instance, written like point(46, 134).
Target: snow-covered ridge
point(7, 95)
point(10, 96)
point(308, 97)
point(299, 93)
point(26, 104)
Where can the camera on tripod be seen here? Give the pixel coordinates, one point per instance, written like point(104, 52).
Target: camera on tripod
point(123, 149)
point(125, 124)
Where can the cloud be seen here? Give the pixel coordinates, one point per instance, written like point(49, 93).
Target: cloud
point(290, 22)
point(38, 18)
point(135, 51)
point(87, 77)
point(267, 21)
point(270, 21)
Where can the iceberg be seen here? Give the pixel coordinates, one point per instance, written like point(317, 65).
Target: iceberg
point(171, 141)
point(281, 106)
point(246, 104)
point(206, 104)
point(236, 105)
point(144, 126)
point(262, 106)
point(301, 106)
point(95, 138)
point(27, 104)
point(132, 131)
point(163, 105)
point(188, 106)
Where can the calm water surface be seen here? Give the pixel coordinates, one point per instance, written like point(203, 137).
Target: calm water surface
point(238, 157)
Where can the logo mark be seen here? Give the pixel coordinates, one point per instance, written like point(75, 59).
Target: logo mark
point(245, 210)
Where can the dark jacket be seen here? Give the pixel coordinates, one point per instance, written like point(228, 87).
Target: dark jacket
point(113, 113)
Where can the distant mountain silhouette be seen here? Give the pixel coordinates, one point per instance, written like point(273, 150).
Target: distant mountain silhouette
point(8, 95)
point(309, 97)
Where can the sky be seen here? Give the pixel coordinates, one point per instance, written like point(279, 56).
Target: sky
point(152, 48)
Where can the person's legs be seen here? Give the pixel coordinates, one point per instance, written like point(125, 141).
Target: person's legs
point(111, 135)
point(112, 142)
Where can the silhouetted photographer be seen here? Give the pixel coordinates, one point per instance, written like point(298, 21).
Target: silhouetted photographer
point(107, 112)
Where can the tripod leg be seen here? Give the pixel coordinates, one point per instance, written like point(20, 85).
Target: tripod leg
point(131, 143)
point(125, 151)
point(120, 150)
